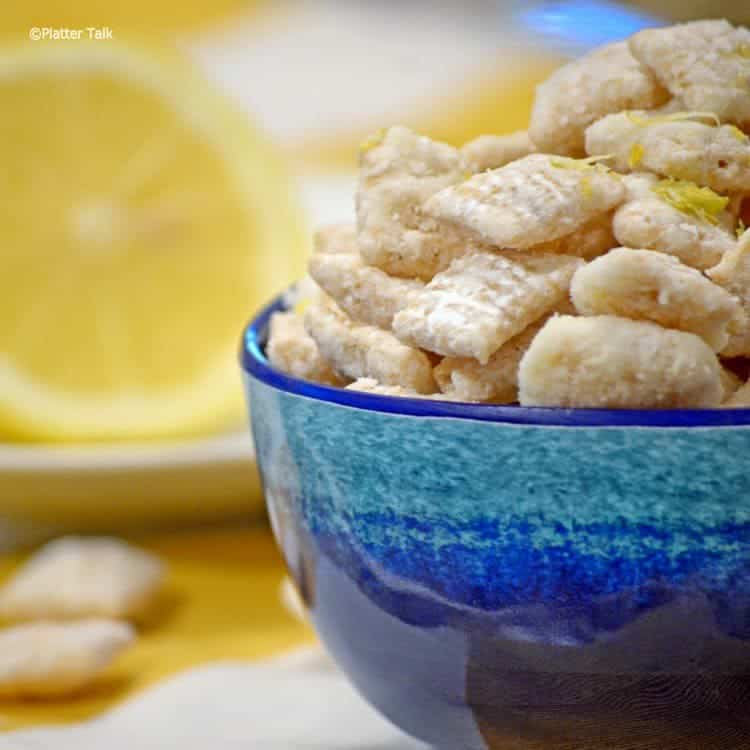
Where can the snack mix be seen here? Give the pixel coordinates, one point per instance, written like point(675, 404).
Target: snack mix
point(599, 260)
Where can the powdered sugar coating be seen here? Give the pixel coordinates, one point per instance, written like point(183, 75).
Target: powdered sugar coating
point(398, 172)
point(77, 577)
point(704, 63)
point(370, 385)
point(292, 350)
point(367, 294)
point(607, 80)
point(483, 300)
point(718, 157)
point(615, 363)
point(362, 351)
point(733, 273)
point(532, 200)
point(494, 151)
point(645, 285)
point(653, 224)
point(591, 240)
point(46, 659)
point(334, 239)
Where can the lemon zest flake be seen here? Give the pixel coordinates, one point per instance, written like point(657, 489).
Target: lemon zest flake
point(590, 162)
point(586, 187)
point(636, 155)
point(646, 120)
point(687, 197)
point(737, 133)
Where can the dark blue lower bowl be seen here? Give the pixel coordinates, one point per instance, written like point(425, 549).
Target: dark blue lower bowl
point(534, 579)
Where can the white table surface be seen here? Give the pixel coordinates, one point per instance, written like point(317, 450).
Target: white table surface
point(299, 701)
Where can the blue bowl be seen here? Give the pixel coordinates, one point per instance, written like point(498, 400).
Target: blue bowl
point(504, 577)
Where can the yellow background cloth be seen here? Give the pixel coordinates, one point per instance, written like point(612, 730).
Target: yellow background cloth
point(221, 603)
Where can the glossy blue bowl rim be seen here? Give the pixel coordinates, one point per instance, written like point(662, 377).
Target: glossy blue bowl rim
point(254, 362)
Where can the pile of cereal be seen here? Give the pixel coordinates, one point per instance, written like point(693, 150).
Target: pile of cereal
point(599, 260)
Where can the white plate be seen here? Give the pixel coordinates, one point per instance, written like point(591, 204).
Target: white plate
point(127, 485)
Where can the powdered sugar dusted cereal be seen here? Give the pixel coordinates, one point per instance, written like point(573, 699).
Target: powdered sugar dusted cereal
point(733, 273)
point(466, 379)
point(482, 300)
point(46, 659)
point(398, 172)
point(460, 271)
point(654, 224)
point(335, 238)
point(616, 363)
point(590, 241)
point(493, 151)
point(365, 293)
point(292, 349)
point(607, 80)
point(706, 64)
point(76, 577)
point(370, 385)
point(638, 185)
point(718, 157)
point(645, 285)
point(362, 351)
point(536, 199)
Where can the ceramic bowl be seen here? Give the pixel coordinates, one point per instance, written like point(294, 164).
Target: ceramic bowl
point(503, 577)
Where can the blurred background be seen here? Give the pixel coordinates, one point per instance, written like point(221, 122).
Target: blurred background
point(161, 166)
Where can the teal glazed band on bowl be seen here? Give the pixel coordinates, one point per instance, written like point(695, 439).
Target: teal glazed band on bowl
point(503, 577)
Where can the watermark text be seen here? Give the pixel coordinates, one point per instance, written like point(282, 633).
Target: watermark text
point(61, 33)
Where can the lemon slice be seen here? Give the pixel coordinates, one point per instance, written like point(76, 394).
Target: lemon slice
point(141, 221)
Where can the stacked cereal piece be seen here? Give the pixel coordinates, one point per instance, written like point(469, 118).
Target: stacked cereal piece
point(70, 605)
point(598, 260)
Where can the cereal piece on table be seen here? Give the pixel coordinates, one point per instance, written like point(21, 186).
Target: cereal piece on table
point(733, 273)
point(645, 285)
point(482, 300)
point(335, 238)
point(617, 363)
point(607, 80)
point(673, 146)
point(398, 172)
point(370, 385)
point(292, 350)
point(362, 351)
point(76, 577)
point(494, 151)
point(588, 242)
point(365, 293)
point(654, 224)
point(739, 399)
point(46, 659)
point(465, 379)
point(706, 64)
point(532, 200)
